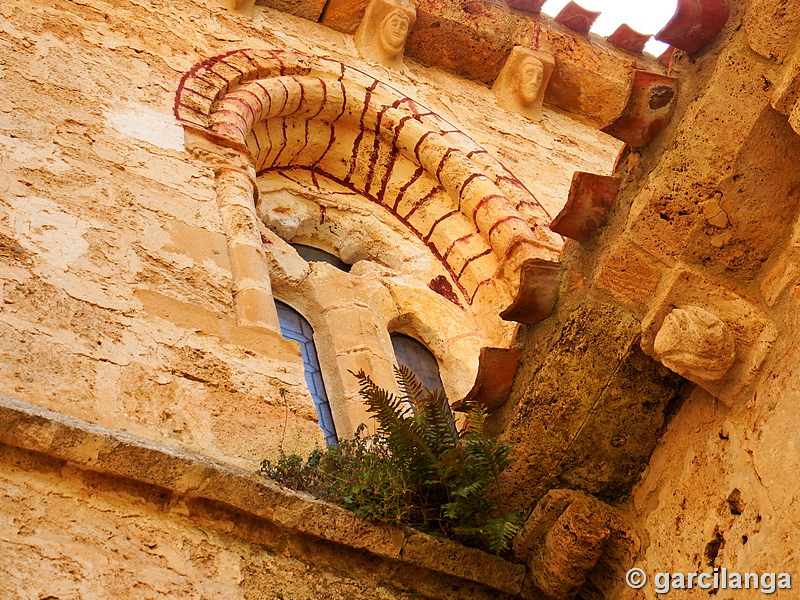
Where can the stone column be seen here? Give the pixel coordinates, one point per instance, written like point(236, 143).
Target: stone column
point(236, 193)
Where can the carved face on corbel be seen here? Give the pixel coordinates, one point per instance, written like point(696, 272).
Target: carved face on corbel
point(381, 35)
point(528, 80)
point(522, 80)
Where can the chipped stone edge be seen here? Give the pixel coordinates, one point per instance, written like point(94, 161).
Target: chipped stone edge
point(118, 453)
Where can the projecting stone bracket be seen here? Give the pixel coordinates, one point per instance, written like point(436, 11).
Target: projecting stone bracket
point(697, 344)
point(590, 199)
point(536, 296)
point(628, 39)
point(566, 537)
point(694, 24)
point(497, 368)
point(649, 107)
point(577, 18)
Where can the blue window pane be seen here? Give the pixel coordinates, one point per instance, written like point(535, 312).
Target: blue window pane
point(295, 327)
point(419, 359)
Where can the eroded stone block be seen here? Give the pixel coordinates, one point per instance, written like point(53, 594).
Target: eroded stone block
point(628, 274)
point(753, 332)
point(307, 9)
point(566, 536)
point(479, 36)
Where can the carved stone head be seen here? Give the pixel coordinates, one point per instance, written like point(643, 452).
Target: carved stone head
point(381, 35)
point(522, 81)
point(695, 343)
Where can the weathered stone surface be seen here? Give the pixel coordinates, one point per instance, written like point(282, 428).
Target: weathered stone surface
point(480, 36)
point(570, 536)
point(572, 423)
point(126, 473)
point(629, 275)
point(695, 343)
point(307, 9)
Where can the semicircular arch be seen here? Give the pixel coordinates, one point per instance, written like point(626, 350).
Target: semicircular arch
point(291, 111)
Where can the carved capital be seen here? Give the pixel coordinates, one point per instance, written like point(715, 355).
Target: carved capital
point(695, 343)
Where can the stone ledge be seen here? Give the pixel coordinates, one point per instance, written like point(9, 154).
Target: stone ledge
point(118, 453)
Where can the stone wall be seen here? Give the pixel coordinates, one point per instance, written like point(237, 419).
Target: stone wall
point(117, 301)
point(706, 216)
point(117, 308)
point(92, 512)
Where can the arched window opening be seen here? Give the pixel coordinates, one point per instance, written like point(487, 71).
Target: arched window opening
point(295, 327)
point(419, 359)
point(312, 254)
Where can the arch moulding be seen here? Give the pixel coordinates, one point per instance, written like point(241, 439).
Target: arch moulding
point(250, 112)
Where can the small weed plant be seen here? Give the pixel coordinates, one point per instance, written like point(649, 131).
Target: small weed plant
point(418, 468)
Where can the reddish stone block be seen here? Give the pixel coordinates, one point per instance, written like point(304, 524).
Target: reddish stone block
point(694, 24)
point(536, 297)
point(497, 368)
point(628, 39)
point(528, 6)
point(577, 18)
point(649, 108)
point(590, 198)
point(665, 58)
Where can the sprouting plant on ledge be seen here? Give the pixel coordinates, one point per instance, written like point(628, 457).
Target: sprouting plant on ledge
point(418, 468)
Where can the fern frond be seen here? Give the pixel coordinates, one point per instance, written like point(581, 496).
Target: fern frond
point(410, 386)
point(398, 424)
point(500, 532)
point(476, 418)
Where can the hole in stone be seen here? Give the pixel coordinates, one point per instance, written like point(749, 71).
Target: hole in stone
point(660, 97)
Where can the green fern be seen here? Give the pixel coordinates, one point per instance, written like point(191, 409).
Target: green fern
point(500, 532)
point(418, 468)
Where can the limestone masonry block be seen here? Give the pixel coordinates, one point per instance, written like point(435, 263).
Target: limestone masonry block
point(480, 36)
point(628, 274)
point(566, 536)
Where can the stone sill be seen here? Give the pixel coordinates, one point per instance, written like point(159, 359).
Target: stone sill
point(117, 453)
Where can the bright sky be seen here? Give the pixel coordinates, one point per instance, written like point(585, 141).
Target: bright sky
point(645, 16)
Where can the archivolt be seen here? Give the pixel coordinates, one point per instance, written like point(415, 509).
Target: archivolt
point(287, 110)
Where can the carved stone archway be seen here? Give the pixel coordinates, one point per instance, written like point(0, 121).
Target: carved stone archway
point(279, 110)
